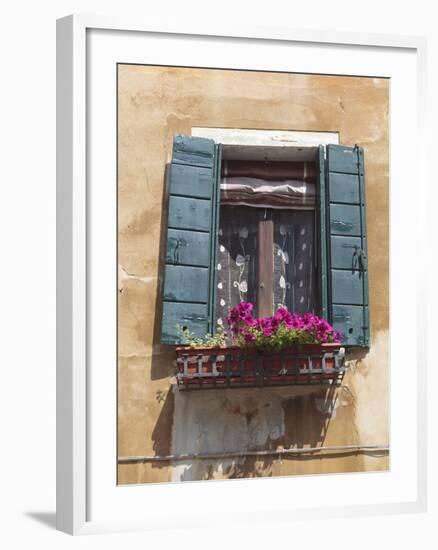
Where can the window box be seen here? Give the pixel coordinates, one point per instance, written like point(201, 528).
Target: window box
point(229, 367)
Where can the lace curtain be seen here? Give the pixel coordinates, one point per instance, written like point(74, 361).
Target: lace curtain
point(237, 259)
point(294, 258)
point(294, 282)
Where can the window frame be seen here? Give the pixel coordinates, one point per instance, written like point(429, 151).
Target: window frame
point(265, 239)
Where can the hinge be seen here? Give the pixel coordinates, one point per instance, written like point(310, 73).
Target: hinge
point(357, 149)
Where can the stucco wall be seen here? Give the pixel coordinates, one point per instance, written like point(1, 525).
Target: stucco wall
point(154, 103)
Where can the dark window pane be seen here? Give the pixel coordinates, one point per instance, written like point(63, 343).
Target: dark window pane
point(237, 259)
point(294, 266)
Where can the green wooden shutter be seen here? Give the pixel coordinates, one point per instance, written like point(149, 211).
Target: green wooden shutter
point(345, 246)
point(191, 238)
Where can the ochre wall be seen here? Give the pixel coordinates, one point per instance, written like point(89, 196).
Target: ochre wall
point(154, 103)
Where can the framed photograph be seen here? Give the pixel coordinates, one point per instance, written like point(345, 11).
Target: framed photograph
point(240, 243)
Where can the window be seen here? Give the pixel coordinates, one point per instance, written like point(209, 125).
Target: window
point(267, 251)
point(266, 225)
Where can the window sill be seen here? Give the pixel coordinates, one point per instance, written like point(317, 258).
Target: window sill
point(231, 367)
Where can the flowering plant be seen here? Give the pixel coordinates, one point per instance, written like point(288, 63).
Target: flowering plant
point(220, 339)
point(272, 333)
point(280, 330)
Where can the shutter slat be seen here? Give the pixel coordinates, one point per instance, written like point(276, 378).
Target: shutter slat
point(190, 181)
point(342, 250)
point(344, 218)
point(347, 287)
point(188, 248)
point(187, 276)
point(349, 320)
point(186, 284)
point(192, 316)
point(193, 151)
point(342, 159)
point(344, 188)
point(188, 213)
point(347, 244)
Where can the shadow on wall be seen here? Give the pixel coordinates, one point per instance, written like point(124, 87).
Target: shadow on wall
point(236, 421)
point(162, 432)
point(163, 357)
point(356, 355)
point(306, 418)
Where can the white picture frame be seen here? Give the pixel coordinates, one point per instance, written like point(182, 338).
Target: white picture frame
point(76, 211)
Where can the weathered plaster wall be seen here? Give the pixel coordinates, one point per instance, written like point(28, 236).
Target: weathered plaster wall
point(154, 104)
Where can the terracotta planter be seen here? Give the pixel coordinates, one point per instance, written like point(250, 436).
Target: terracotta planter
point(235, 366)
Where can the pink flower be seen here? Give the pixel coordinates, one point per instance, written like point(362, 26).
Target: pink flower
point(241, 321)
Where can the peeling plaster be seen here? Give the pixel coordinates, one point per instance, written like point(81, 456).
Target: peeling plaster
point(247, 419)
point(124, 276)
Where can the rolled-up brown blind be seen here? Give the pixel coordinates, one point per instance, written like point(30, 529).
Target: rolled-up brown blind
point(269, 170)
point(286, 185)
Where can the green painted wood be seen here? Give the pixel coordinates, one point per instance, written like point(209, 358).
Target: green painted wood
point(191, 215)
point(347, 287)
point(345, 219)
point(342, 159)
point(190, 181)
point(344, 188)
point(214, 242)
point(186, 284)
point(367, 322)
point(188, 213)
point(193, 151)
point(366, 317)
point(188, 248)
point(192, 316)
point(349, 320)
point(323, 264)
point(344, 251)
point(347, 261)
